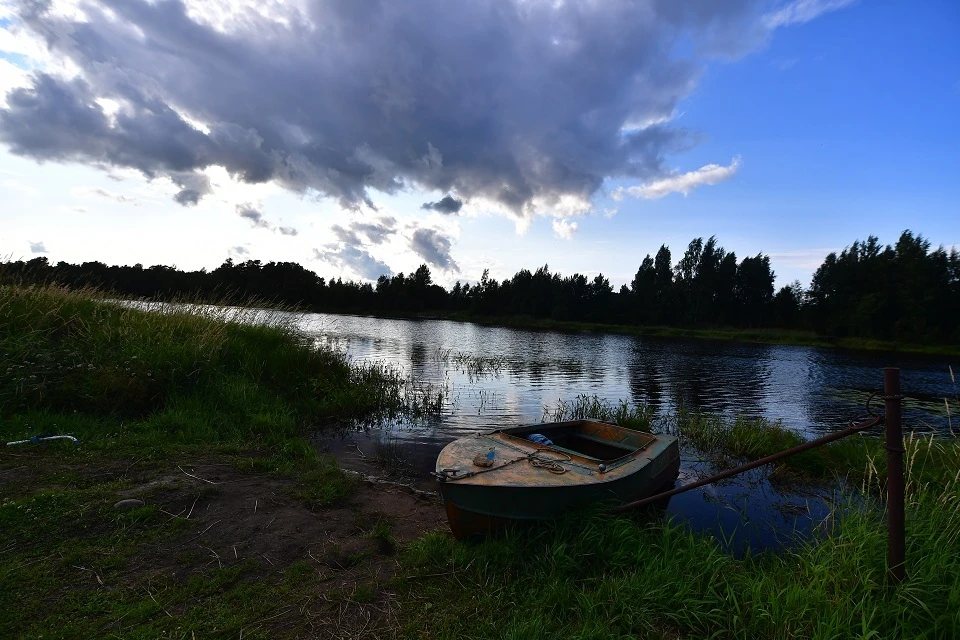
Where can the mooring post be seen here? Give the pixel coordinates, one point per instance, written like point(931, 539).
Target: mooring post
point(894, 443)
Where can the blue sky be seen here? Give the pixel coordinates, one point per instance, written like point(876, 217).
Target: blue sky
point(837, 122)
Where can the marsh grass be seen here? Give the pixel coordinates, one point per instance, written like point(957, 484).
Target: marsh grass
point(180, 372)
point(637, 417)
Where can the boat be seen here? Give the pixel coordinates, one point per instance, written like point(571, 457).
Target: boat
point(524, 474)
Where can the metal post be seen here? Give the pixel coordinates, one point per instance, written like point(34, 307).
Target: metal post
point(895, 500)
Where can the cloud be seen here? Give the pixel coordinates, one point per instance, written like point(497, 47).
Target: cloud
point(518, 102)
point(37, 247)
point(193, 186)
point(106, 194)
point(12, 184)
point(354, 258)
point(802, 259)
point(682, 182)
point(564, 228)
point(253, 215)
point(239, 251)
point(434, 247)
point(447, 204)
point(802, 11)
point(376, 232)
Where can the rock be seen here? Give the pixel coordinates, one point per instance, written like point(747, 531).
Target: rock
point(130, 503)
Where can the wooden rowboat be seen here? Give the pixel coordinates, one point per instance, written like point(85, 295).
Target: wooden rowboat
point(495, 478)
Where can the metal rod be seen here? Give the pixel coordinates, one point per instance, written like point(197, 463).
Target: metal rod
point(843, 433)
point(894, 441)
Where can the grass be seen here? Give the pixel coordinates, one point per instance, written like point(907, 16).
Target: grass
point(639, 417)
point(177, 374)
point(145, 388)
point(599, 576)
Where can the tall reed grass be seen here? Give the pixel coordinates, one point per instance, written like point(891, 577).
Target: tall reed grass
point(186, 373)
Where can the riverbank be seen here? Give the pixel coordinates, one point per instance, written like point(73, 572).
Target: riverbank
point(201, 420)
point(245, 527)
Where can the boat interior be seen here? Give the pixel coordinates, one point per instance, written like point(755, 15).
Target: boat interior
point(595, 440)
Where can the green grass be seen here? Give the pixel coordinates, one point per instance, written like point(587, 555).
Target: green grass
point(600, 576)
point(179, 374)
point(639, 417)
point(179, 382)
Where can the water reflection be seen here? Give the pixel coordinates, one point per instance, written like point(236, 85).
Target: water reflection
point(808, 389)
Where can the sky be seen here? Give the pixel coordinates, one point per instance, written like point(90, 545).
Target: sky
point(366, 137)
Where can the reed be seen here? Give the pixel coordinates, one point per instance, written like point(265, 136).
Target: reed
point(179, 372)
point(637, 417)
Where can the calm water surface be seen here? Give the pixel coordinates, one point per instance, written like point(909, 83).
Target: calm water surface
point(808, 389)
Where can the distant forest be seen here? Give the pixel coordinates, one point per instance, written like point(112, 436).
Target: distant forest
point(905, 292)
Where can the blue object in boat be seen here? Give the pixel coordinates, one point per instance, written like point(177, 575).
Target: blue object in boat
point(539, 438)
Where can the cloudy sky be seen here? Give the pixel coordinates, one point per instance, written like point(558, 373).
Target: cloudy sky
point(365, 137)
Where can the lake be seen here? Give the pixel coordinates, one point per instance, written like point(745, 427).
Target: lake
point(495, 376)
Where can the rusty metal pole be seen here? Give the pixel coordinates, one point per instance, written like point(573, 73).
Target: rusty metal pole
point(894, 443)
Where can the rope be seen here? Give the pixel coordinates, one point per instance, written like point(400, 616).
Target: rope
point(553, 466)
point(549, 465)
point(39, 439)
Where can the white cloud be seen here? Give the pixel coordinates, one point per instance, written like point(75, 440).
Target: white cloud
point(90, 192)
point(11, 184)
point(802, 11)
point(682, 182)
point(808, 259)
point(37, 247)
point(564, 228)
point(11, 76)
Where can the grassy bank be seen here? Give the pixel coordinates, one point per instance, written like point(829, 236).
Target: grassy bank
point(152, 398)
point(597, 576)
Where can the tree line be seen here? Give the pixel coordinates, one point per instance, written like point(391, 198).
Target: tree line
point(904, 292)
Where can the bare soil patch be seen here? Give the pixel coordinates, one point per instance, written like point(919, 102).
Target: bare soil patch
point(259, 524)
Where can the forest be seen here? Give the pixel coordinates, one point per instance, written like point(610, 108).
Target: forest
point(905, 292)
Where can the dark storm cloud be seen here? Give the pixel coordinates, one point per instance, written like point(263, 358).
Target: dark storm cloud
point(447, 204)
point(354, 258)
point(255, 217)
point(514, 101)
point(434, 247)
point(251, 214)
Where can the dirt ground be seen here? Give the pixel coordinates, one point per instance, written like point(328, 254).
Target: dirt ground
point(232, 517)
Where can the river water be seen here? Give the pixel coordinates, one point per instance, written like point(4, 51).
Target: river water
point(496, 377)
